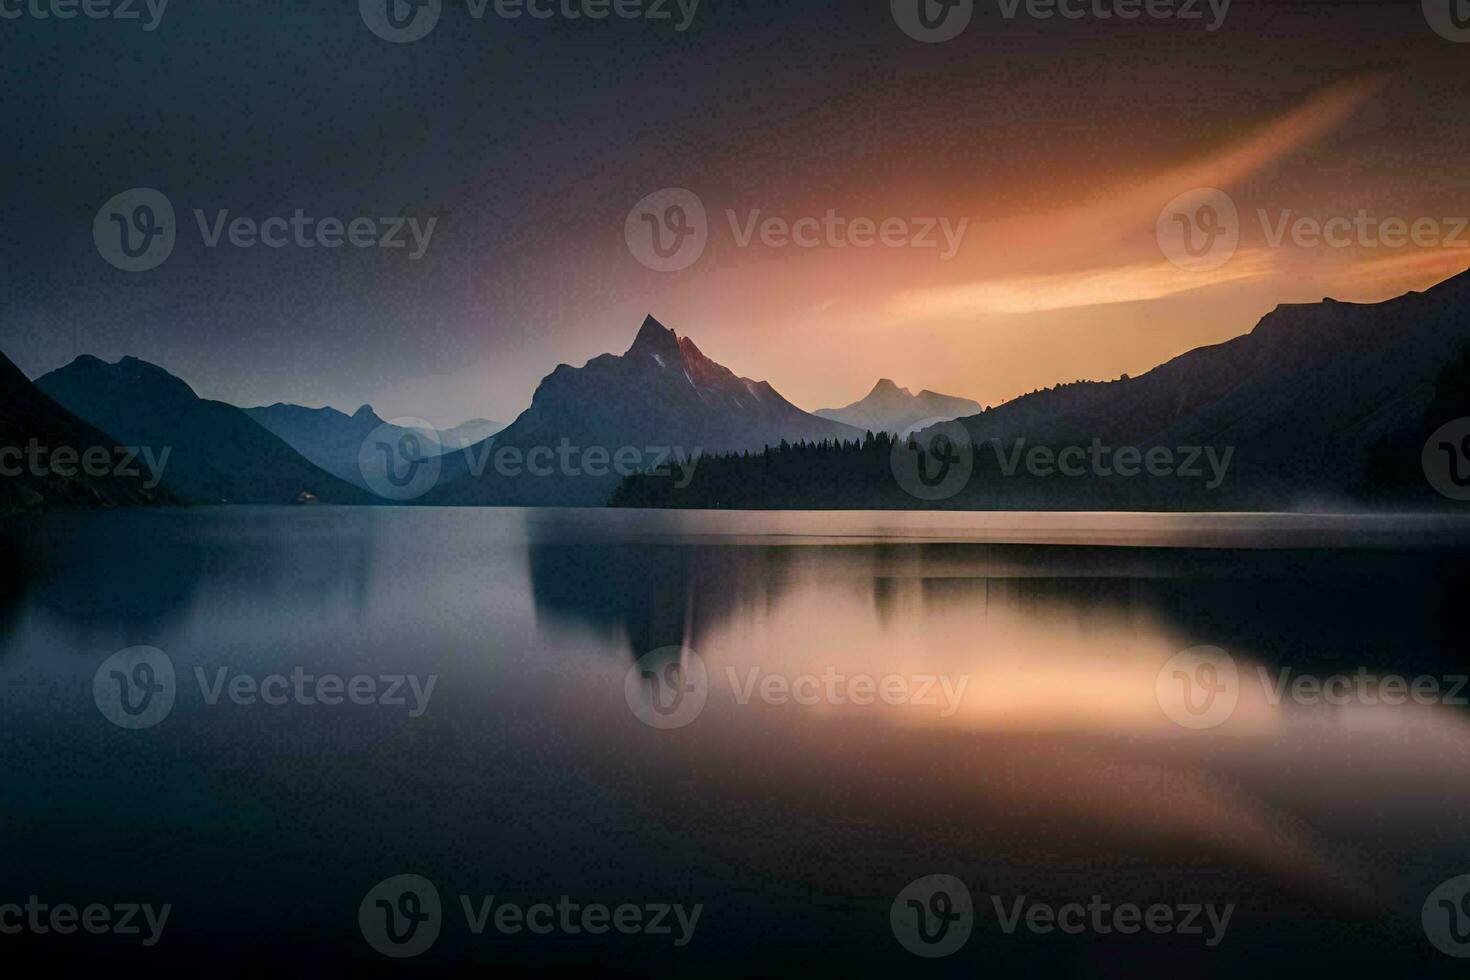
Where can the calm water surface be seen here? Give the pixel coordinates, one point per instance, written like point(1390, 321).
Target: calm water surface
point(1055, 773)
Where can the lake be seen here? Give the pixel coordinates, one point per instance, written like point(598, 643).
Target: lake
point(736, 742)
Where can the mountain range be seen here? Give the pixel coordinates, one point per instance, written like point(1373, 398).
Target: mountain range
point(889, 408)
point(1322, 403)
point(42, 452)
point(218, 454)
point(660, 401)
point(654, 407)
point(333, 440)
point(1325, 404)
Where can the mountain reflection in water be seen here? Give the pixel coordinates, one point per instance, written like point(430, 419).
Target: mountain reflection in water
point(1053, 774)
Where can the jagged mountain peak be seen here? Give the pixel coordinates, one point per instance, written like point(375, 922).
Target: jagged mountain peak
point(655, 338)
point(664, 391)
point(886, 386)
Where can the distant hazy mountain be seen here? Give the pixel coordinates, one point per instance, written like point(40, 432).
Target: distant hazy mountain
point(333, 440)
point(218, 453)
point(1324, 404)
point(662, 394)
point(889, 408)
point(36, 427)
point(468, 433)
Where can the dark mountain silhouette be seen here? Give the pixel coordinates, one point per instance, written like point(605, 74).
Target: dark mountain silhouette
point(333, 440)
point(889, 408)
point(217, 452)
point(29, 418)
point(1323, 404)
point(663, 394)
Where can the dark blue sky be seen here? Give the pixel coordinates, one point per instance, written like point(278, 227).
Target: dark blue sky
point(528, 141)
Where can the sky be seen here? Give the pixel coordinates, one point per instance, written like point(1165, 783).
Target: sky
point(1034, 179)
